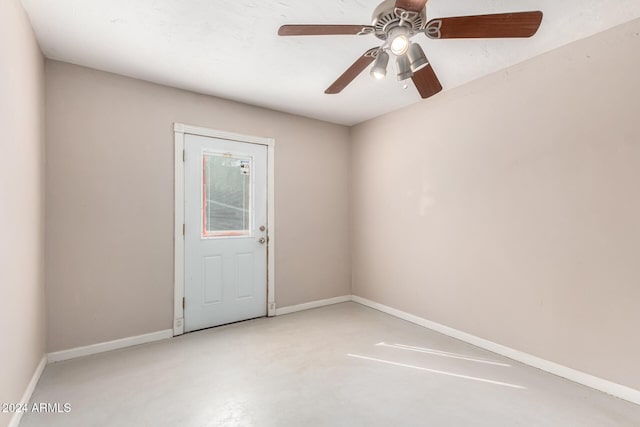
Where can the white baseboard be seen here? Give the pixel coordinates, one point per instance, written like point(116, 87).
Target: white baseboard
point(312, 304)
point(26, 397)
point(72, 353)
point(606, 386)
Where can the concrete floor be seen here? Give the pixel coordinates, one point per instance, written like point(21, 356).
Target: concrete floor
point(322, 367)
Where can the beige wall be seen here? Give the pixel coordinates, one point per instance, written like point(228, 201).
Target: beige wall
point(22, 310)
point(110, 201)
point(510, 208)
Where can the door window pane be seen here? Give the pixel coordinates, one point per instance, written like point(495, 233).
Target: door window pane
point(226, 195)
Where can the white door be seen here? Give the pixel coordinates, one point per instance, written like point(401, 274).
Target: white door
point(225, 231)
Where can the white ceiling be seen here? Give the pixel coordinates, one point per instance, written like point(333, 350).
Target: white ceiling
point(230, 48)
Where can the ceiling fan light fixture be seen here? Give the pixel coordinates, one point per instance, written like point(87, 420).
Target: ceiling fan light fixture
point(398, 41)
point(379, 69)
point(404, 68)
point(417, 58)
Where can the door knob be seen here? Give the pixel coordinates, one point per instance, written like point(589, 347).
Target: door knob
point(262, 240)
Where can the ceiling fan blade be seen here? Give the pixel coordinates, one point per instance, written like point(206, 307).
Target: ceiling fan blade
point(324, 30)
point(518, 24)
point(426, 82)
point(411, 5)
point(352, 72)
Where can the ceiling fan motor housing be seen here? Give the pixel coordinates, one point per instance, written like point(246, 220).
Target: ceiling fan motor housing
point(386, 16)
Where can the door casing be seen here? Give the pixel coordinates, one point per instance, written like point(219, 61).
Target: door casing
point(180, 130)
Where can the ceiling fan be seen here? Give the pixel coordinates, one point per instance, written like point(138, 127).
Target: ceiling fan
point(396, 21)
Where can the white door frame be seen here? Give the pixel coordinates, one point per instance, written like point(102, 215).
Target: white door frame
point(180, 130)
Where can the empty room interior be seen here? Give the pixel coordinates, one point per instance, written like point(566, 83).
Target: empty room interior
point(320, 213)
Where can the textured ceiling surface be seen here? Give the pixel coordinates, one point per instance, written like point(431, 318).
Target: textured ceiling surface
point(230, 49)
